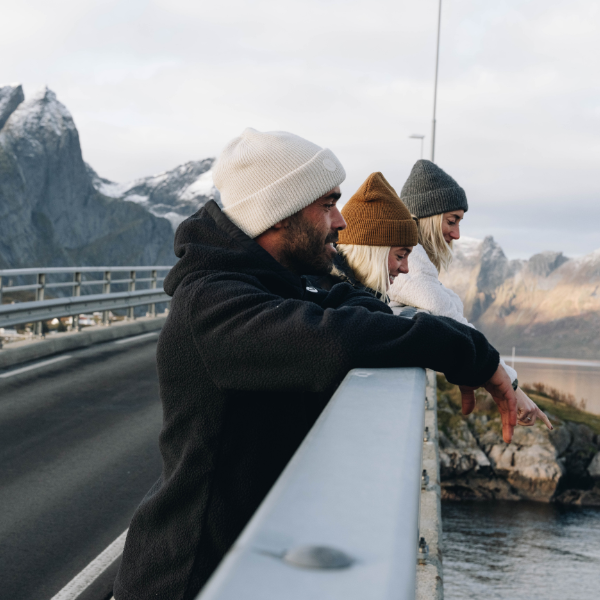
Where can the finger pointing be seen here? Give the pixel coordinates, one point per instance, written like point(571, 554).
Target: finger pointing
point(544, 417)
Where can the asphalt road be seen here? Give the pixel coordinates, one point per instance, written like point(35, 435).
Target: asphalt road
point(78, 451)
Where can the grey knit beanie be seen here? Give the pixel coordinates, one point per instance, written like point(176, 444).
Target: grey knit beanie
point(430, 191)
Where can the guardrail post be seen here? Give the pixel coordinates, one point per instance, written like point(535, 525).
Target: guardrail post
point(76, 292)
point(152, 311)
point(106, 290)
point(1, 346)
point(39, 296)
point(1, 305)
point(131, 309)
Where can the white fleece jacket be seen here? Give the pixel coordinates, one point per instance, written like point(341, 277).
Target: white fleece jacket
point(421, 288)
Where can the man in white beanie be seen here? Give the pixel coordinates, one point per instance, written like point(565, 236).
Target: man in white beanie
point(250, 354)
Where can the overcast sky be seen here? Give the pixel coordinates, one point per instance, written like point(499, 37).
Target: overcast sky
point(153, 84)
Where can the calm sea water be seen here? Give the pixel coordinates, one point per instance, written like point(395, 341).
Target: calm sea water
point(578, 377)
point(520, 551)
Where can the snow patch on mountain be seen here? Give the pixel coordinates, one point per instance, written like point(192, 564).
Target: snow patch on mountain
point(174, 195)
point(203, 186)
point(43, 111)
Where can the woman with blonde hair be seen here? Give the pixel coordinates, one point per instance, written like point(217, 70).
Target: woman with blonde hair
point(439, 204)
point(373, 250)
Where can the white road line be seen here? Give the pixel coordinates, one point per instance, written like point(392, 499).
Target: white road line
point(81, 582)
point(136, 337)
point(30, 367)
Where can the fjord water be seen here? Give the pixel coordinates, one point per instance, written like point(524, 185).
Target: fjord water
point(578, 377)
point(520, 550)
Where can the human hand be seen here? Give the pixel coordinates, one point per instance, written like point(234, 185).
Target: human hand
point(500, 388)
point(528, 411)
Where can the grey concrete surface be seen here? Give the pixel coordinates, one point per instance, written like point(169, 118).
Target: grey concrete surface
point(430, 583)
point(20, 352)
point(78, 451)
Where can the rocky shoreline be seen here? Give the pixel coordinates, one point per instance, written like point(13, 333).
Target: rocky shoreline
point(561, 466)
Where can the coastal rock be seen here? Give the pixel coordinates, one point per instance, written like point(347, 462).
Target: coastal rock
point(594, 468)
point(530, 463)
point(460, 454)
point(579, 455)
point(560, 437)
point(560, 465)
point(471, 487)
point(580, 497)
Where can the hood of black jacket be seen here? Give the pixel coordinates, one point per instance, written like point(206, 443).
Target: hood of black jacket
point(208, 241)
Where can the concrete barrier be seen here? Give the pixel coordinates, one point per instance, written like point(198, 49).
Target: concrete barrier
point(25, 351)
point(430, 582)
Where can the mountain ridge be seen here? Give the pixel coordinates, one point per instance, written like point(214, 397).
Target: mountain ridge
point(174, 194)
point(548, 305)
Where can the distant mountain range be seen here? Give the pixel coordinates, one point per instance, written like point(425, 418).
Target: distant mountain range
point(56, 211)
point(548, 305)
point(173, 195)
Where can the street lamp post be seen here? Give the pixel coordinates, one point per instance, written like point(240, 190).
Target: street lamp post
point(437, 61)
point(418, 136)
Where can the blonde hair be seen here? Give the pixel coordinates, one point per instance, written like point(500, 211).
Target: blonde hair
point(432, 239)
point(370, 266)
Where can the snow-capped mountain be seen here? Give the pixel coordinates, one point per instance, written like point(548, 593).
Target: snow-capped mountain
point(547, 305)
point(173, 195)
point(50, 212)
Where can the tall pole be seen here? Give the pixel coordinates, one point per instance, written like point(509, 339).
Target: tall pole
point(437, 62)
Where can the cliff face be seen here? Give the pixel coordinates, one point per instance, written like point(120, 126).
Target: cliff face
point(548, 305)
point(562, 465)
point(50, 213)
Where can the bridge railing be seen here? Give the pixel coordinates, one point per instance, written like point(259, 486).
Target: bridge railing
point(82, 281)
point(342, 521)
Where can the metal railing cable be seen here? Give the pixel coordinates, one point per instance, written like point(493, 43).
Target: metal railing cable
point(80, 279)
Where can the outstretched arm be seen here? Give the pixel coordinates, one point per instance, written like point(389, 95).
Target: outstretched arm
point(500, 388)
point(250, 338)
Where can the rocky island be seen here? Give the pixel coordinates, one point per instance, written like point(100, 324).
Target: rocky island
point(561, 466)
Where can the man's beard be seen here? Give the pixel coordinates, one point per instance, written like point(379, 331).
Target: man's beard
point(304, 251)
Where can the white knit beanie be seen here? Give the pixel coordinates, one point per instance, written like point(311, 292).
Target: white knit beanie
point(266, 177)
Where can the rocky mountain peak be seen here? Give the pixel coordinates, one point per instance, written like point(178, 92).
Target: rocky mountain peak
point(547, 305)
point(493, 266)
point(544, 263)
point(43, 111)
point(10, 97)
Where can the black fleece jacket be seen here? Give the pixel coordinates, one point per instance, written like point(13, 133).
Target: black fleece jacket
point(247, 359)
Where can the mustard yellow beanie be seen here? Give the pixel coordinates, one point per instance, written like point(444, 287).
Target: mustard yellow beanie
point(375, 216)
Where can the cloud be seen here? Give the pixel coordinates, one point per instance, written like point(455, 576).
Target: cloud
point(155, 84)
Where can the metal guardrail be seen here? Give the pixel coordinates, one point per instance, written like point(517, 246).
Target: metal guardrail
point(42, 309)
point(342, 521)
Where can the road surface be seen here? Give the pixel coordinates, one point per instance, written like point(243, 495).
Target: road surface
point(78, 451)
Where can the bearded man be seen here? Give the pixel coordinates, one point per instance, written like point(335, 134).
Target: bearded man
point(251, 353)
